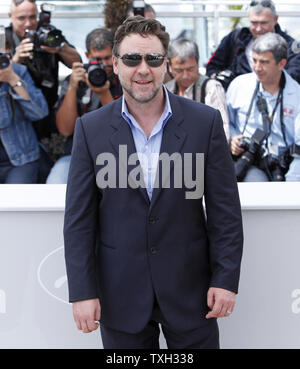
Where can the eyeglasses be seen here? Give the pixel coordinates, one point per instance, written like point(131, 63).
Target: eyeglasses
point(19, 2)
point(264, 3)
point(134, 59)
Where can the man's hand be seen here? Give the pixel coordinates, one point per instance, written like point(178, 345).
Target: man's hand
point(23, 51)
point(8, 75)
point(220, 301)
point(235, 145)
point(85, 313)
point(78, 74)
point(103, 92)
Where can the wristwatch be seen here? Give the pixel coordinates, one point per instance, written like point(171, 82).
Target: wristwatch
point(19, 83)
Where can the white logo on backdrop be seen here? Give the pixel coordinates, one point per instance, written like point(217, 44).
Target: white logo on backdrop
point(2, 302)
point(51, 275)
point(296, 302)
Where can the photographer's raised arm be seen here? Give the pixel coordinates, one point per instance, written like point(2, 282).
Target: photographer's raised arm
point(8, 75)
point(67, 53)
point(67, 113)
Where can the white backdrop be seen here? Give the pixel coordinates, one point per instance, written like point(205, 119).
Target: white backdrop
point(34, 312)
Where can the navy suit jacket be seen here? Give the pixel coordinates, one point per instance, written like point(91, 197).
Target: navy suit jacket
point(125, 250)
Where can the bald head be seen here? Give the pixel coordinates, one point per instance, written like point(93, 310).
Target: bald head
point(23, 15)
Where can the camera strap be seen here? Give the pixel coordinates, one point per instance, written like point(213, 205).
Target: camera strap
point(250, 106)
point(262, 107)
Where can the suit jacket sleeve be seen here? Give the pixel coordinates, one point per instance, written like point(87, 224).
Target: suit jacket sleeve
point(81, 219)
point(224, 219)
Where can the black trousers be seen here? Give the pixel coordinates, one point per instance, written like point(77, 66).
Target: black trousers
point(206, 336)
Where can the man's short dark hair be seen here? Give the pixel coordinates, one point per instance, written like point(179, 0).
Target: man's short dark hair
point(99, 39)
point(142, 26)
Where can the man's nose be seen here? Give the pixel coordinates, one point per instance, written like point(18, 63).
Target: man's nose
point(258, 27)
point(185, 73)
point(143, 67)
point(28, 22)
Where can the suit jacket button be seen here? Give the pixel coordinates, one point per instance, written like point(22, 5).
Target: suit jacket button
point(152, 220)
point(153, 250)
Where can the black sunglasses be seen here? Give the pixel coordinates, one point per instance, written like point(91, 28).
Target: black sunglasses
point(264, 3)
point(19, 2)
point(134, 59)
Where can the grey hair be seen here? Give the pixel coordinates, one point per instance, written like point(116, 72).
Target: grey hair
point(183, 48)
point(258, 7)
point(272, 42)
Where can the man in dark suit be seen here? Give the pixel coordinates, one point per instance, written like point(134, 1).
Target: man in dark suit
point(139, 248)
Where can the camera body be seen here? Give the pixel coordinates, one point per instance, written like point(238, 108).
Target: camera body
point(278, 165)
point(46, 34)
point(138, 7)
point(4, 61)
point(253, 152)
point(96, 72)
point(225, 77)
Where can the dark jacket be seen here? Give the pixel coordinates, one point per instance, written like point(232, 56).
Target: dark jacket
point(124, 249)
point(230, 54)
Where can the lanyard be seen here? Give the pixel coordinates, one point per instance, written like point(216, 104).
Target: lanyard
point(270, 118)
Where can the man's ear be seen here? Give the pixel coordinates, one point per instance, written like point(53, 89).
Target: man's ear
point(282, 63)
point(115, 65)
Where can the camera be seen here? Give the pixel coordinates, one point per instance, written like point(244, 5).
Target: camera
point(96, 72)
point(4, 61)
point(278, 165)
point(46, 34)
point(225, 77)
point(253, 152)
point(138, 7)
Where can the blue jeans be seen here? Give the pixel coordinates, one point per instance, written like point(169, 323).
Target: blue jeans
point(23, 174)
point(255, 174)
point(60, 170)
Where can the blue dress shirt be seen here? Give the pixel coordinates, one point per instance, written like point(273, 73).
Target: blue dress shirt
point(148, 150)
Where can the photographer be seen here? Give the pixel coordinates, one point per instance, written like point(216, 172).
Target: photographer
point(262, 110)
point(21, 103)
point(30, 42)
point(85, 90)
point(183, 57)
point(233, 56)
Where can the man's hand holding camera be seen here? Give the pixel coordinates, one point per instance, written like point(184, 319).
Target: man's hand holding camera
point(235, 145)
point(8, 75)
point(79, 73)
point(23, 51)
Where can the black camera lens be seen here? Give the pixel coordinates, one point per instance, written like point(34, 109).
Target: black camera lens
point(4, 61)
point(96, 73)
point(51, 38)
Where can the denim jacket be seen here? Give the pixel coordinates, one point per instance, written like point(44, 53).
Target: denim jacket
point(16, 115)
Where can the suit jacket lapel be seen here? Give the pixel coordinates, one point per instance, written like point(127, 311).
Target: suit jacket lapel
point(123, 137)
point(173, 138)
